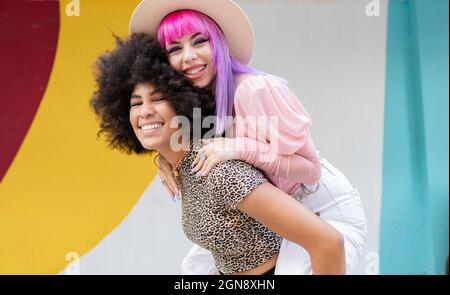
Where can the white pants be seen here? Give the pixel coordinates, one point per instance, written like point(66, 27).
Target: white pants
point(337, 202)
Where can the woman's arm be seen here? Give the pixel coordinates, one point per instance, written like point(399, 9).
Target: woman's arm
point(303, 168)
point(291, 220)
point(261, 155)
point(271, 133)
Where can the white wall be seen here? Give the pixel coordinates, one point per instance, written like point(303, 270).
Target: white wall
point(333, 56)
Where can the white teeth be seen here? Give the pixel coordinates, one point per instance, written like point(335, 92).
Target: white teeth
point(196, 71)
point(150, 126)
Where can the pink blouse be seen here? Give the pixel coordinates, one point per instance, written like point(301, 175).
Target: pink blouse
point(272, 133)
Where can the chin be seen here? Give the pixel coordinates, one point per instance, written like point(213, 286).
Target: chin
point(203, 83)
point(150, 144)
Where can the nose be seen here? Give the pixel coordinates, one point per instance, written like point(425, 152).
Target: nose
point(146, 110)
point(189, 55)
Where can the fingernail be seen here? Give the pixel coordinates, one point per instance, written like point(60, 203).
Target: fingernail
point(193, 164)
point(193, 170)
point(204, 173)
point(198, 174)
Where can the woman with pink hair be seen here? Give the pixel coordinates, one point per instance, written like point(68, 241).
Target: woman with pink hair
point(258, 118)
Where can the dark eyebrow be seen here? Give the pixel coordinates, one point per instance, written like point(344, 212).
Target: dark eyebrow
point(192, 37)
point(138, 96)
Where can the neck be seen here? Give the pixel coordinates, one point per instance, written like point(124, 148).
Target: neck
point(173, 157)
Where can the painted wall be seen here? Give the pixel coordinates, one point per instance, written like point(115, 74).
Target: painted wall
point(63, 191)
point(414, 223)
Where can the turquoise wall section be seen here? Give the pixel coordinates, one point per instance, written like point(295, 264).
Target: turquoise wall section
point(414, 217)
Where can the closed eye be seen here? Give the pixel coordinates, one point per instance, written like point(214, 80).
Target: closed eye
point(173, 49)
point(200, 41)
point(159, 98)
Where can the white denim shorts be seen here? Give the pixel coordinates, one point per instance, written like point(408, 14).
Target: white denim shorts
point(338, 203)
point(335, 200)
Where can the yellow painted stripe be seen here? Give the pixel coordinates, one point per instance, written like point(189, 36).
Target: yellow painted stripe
point(65, 190)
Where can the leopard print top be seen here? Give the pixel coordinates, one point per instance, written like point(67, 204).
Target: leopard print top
point(210, 217)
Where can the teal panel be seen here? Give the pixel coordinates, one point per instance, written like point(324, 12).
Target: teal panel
point(414, 217)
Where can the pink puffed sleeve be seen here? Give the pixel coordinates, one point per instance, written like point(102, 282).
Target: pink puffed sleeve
point(272, 130)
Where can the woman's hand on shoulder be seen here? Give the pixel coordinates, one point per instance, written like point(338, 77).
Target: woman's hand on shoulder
point(213, 152)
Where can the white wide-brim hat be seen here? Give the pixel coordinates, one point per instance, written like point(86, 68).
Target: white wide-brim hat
point(232, 20)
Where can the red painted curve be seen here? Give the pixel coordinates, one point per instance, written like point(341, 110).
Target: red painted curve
point(28, 39)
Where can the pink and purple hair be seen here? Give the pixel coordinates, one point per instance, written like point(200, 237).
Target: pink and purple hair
point(186, 22)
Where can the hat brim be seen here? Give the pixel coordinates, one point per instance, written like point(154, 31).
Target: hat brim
point(233, 22)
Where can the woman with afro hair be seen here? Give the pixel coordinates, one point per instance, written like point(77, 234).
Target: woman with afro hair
point(233, 212)
point(259, 120)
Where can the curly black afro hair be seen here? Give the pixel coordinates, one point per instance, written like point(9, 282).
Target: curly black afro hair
point(136, 60)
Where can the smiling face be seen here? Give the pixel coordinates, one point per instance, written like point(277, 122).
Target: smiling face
point(192, 55)
point(150, 116)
